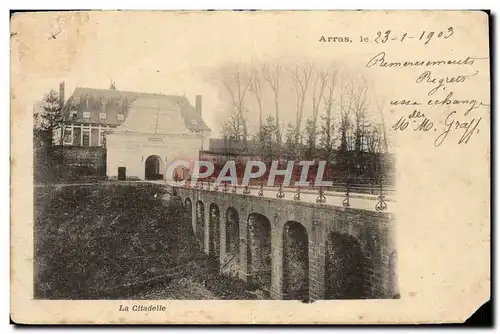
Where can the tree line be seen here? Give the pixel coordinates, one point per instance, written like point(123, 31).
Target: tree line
point(333, 112)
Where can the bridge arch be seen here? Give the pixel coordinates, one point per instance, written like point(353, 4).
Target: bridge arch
point(259, 252)
point(345, 267)
point(295, 261)
point(214, 232)
point(200, 224)
point(232, 231)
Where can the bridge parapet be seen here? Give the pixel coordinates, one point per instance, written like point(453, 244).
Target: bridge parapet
point(371, 198)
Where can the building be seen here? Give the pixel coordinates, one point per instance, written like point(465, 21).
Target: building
point(142, 132)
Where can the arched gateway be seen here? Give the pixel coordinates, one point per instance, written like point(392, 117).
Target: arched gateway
point(152, 168)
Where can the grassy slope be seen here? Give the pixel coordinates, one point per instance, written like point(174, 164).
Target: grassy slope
point(120, 241)
point(91, 239)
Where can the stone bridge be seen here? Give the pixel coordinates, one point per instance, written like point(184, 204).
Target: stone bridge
point(296, 250)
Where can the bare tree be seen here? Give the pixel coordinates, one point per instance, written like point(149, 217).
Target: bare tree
point(322, 76)
point(358, 104)
point(232, 128)
point(384, 132)
point(255, 87)
point(327, 136)
point(271, 74)
point(301, 78)
point(237, 85)
point(328, 82)
point(373, 139)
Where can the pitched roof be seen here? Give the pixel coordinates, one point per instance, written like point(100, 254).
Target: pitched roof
point(117, 102)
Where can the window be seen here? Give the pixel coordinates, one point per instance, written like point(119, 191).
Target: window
point(73, 114)
point(194, 122)
point(77, 139)
point(120, 117)
point(102, 115)
point(103, 139)
point(86, 114)
point(94, 137)
point(68, 140)
point(86, 137)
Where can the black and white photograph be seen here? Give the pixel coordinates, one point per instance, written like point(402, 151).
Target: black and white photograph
point(109, 225)
point(244, 156)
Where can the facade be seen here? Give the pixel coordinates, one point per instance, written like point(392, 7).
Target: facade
point(141, 132)
point(91, 113)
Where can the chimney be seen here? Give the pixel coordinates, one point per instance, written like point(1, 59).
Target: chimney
point(198, 104)
point(61, 92)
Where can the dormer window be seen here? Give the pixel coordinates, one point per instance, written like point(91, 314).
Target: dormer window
point(86, 115)
point(120, 117)
point(73, 114)
point(102, 115)
point(194, 122)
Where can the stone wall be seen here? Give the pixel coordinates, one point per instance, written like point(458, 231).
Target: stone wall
point(72, 163)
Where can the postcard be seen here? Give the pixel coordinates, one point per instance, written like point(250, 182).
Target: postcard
point(249, 167)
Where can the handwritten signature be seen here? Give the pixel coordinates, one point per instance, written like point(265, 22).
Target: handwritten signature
point(467, 128)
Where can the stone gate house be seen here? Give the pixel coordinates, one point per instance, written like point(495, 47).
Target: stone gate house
point(142, 132)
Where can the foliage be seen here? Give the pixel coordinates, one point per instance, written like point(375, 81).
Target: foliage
point(290, 145)
point(233, 127)
point(311, 135)
point(50, 117)
point(90, 239)
point(327, 136)
point(268, 136)
point(120, 241)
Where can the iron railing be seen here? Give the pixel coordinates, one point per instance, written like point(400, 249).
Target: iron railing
point(350, 188)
